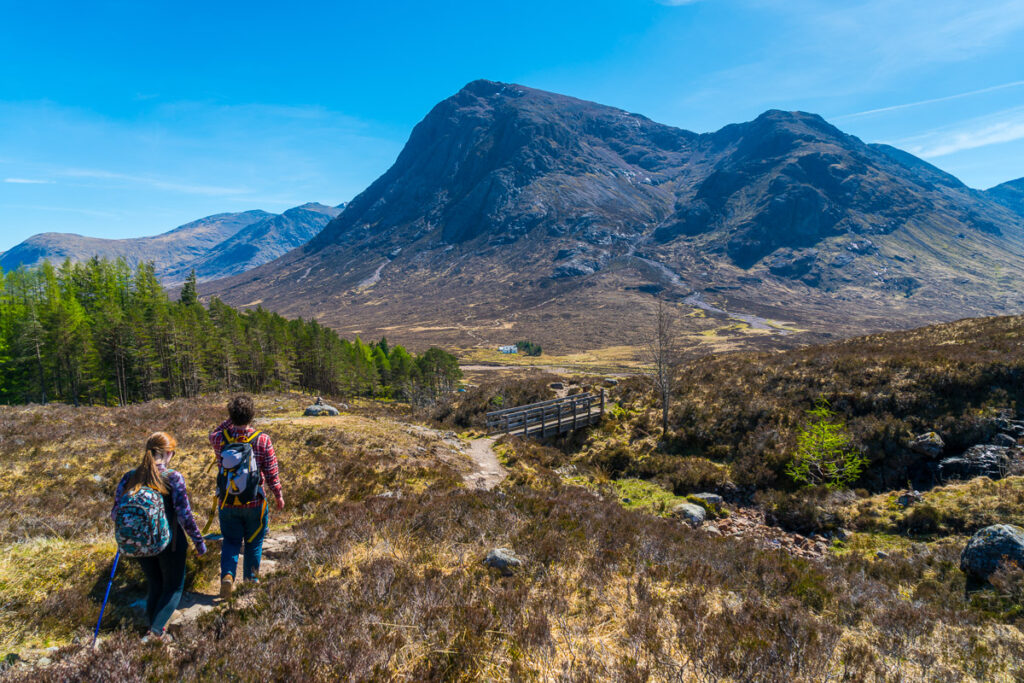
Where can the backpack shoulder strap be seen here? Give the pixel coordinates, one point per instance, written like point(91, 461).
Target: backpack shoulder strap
point(226, 435)
point(251, 437)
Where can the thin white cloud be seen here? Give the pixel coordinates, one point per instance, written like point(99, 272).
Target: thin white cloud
point(63, 209)
point(1002, 127)
point(934, 100)
point(28, 181)
point(157, 183)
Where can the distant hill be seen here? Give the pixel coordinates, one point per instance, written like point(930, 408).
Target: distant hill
point(1009, 194)
point(216, 246)
point(258, 243)
point(514, 213)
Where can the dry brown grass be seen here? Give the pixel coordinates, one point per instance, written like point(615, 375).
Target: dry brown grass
point(394, 588)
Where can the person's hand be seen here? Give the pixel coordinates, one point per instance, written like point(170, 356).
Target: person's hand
point(280, 503)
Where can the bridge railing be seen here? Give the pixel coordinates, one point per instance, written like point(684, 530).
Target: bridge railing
point(555, 416)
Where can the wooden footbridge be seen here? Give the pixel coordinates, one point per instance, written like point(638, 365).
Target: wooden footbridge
point(548, 418)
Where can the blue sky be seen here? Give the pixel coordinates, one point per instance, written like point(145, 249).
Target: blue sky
point(127, 118)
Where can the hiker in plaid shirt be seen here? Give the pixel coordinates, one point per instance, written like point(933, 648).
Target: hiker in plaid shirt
point(245, 522)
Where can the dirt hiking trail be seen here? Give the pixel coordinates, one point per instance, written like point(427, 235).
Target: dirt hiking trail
point(486, 473)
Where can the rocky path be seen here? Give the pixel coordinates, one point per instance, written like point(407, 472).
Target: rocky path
point(194, 605)
point(750, 524)
point(487, 472)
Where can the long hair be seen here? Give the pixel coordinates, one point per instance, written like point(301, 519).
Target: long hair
point(147, 473)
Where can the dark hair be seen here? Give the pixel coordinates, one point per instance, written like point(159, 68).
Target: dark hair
point(241, 410)
point(147, 474)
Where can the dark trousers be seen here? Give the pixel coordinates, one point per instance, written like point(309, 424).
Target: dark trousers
point(165, 576)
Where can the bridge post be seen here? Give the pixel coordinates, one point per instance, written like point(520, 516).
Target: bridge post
point(543, 423)
point(602, 401)
point(560, 405)
point(574, 414)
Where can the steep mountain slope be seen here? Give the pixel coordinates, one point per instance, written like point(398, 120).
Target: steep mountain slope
point(183, 243)
point(1009, 194)
point(513, 211)
point(216, 246)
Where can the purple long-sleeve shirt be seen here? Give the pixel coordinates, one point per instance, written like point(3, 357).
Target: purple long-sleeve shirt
point(179, 496)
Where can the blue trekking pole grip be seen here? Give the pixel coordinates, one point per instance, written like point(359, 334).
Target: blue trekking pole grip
point(106, 595)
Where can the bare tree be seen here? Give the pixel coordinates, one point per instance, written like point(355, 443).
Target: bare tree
point(664, 357)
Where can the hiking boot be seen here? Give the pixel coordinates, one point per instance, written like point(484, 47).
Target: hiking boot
point(153, 637)
point(227, 585)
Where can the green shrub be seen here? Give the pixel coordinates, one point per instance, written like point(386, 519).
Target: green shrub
point(825, 451)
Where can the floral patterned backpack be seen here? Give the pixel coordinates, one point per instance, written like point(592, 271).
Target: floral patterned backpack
point(140, 523)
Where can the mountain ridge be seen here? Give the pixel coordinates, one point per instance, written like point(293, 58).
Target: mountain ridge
point(216, 246)
point(514, 211)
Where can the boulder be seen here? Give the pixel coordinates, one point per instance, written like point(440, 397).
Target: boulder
point(557, 386)
point(977, 461)
point(611, 382)
point(990, 547)
point(320, 410)
point(929, 444)
point(691, 513)
point(709, 498)
point(502, 559)
point(1004, 440)
point(909, 498)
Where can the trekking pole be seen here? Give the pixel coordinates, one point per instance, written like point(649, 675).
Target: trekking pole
point(106, 595)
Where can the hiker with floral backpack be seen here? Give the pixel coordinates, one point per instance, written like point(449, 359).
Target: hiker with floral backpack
point(246, 474)
point(151, 515)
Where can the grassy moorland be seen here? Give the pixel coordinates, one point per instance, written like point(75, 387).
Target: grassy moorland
point(611, 588)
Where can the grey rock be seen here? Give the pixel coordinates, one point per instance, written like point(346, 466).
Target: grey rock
point(320, 410)
point(611, 382)
point(990, 547)
point(502, 559)
point(44, 661)
point(977, 461)
point(1004, 440)
point(909, 498)
point(691, 513)
point(557, 386)
point(709, 498)
point(713, 531)
point(882, 555)
point(929, 444)
point(842, 534)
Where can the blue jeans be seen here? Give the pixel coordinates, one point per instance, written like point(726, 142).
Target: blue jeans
point(237, 526)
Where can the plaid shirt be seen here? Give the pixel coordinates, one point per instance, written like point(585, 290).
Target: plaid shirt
point(262, 448)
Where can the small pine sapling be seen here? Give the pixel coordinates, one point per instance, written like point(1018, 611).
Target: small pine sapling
point(825, 451)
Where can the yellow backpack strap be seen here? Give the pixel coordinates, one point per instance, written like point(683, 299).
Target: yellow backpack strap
point(226, 436)
point(250, 438)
